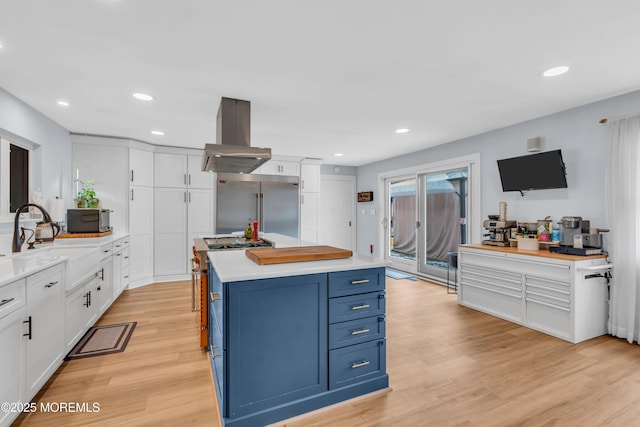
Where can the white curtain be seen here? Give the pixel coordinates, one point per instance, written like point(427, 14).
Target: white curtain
point(623, 218)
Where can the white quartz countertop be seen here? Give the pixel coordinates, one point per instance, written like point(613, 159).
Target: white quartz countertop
point(15, 266)
point(234, 266)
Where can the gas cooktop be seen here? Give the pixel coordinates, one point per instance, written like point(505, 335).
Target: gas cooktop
point(227, 243)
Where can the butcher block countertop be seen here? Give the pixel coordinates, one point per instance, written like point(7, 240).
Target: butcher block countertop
point(297, 254)
point(541, 252)
point(235, 266)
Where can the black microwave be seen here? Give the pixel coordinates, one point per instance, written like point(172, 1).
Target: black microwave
point(88, 220)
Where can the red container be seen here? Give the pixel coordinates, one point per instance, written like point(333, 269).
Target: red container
point(254, 231)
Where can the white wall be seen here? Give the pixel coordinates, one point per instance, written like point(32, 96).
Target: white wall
point(52, 157)
point(577, 132)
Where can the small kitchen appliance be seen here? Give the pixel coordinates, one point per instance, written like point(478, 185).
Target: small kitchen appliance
point(88, 220)
point(571, 226)
point(498, 231)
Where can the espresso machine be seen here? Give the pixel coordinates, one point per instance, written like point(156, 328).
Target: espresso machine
point(498, 231)
point(577, 238)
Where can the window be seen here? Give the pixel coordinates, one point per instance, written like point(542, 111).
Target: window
point(15, 175)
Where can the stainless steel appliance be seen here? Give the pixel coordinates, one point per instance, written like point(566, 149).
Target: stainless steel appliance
point(88, 220)
point(571, 226)
point(233, 152)
point(498, 232)
point(228, 243)
point(272, 200)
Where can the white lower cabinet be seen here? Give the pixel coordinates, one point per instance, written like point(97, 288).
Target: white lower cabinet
point(105, 292)
point(561, 296)
point(82, 310)
point(44, 333)
point(12, 349)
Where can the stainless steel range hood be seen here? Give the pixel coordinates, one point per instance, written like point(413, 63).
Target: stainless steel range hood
point(233, 152)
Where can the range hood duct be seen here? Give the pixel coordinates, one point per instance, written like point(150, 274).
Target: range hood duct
point(233, 153)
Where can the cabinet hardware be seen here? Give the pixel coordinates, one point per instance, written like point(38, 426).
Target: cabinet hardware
point(215, 297)
point(360, 331)
point(51, 284)
point(131, 177)
point(359, 282)
point(89, 297)
point(28, 334)
point(189, 196)
point(302, 184)
point(6, 301)
point(302, 199)
point(212, 349)
point(185, 197)
point(189, 179)
point(417, 224)
point(99, 288)
point(132, 195)
point(360, 364)
point(360, 307)
point(185, 179)
point(118, 254)
point(86, 300)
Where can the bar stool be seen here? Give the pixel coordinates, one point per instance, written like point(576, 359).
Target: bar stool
point(452, 261)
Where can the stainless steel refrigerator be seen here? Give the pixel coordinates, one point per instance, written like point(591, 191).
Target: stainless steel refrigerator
point(272, 200)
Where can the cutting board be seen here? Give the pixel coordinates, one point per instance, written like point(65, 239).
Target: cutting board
point(82, 235)
point(304, 253)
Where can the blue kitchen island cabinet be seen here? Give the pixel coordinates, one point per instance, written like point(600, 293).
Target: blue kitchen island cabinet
point(278, 349)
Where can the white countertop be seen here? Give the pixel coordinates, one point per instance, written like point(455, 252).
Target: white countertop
point(15, 266)
point(234, 266)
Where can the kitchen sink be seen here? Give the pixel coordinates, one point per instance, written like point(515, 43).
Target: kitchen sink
point(82, 261)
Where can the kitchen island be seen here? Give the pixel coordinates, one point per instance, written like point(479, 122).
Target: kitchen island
point(285, 339)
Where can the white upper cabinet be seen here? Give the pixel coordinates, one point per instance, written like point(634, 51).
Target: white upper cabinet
point(140, 167)
point(181, 171)
point(279, 167)
point(310, 178)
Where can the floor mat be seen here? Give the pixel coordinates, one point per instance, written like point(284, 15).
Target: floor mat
point(395, 274)
point(101, 340)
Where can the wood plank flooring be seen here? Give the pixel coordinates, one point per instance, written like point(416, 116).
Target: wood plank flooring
point(448, 365)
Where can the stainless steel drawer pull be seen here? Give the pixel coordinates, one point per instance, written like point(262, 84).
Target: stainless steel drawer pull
point(6, 301)
point(360, 307)
point(360, 331)
point(359, 282)
point(51, 284)
point(215, 297)
point(360, 364)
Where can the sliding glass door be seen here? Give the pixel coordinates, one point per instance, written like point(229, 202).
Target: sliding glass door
point(426, 219)
point(442, 219)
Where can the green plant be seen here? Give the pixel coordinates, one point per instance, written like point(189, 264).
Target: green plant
point(86, 197)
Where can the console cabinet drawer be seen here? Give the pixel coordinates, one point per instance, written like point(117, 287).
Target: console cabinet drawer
point(356, 282)
point(356, 307)
point(356, 331)
point(12, 297)
point(349, 365)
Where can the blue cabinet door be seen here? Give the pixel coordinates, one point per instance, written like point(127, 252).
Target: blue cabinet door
point(277, 342)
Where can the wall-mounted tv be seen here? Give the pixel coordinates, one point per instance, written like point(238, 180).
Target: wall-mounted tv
point(533, 172)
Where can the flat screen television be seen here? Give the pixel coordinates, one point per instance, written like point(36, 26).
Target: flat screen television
point(533, 172)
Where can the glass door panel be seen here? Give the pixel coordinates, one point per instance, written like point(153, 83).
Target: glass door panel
point(401, 228)
point(442, 213)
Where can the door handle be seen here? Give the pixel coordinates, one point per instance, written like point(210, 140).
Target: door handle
point(28, 334)
point(6, 301)
point(360, 307)
point(51, 284)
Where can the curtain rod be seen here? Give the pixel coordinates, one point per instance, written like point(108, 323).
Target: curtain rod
point(605, 120)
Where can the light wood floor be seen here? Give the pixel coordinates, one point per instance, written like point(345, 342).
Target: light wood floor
point(448, 365)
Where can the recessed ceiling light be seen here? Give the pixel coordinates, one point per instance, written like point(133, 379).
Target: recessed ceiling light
point(338, 155)
point(402, 130)
point(63, 103)
point(143, 96)
point(157, 132)
point(0, 45)
point(556, 71)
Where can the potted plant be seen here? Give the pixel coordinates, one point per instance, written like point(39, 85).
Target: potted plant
point(86, 197)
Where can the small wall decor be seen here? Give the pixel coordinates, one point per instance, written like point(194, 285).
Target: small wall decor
point(365, 196)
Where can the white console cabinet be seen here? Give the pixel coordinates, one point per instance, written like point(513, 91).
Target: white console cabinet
point(564, 296)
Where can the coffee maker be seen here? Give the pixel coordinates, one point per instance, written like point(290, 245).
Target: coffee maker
point(577, 238)
point(570, 226)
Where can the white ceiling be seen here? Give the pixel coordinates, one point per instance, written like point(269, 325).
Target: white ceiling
point(323, 76)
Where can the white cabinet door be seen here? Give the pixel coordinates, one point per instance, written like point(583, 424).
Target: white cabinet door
point(141, 233)
point(280, 167)
point(12, 362)
point(140, 167)
point(196, 178)
point(200, 216)
point(170, 170)
point(105, 285)
point(93, 308)
point(310, 178)
point(309, 217)
point(75, 304)
point(170, 237)
point(45, 343)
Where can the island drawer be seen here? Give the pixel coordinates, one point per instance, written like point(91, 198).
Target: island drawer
point(12, 297)
point(356, 331)
point(356, 363)
point(356, 282)
point(356, 307)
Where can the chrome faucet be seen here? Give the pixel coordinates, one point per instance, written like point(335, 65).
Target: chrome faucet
point(18, 238)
